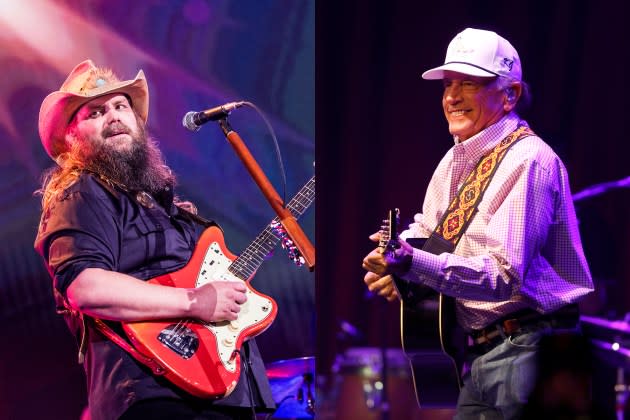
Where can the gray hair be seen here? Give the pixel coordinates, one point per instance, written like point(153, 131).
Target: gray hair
point(504, 83)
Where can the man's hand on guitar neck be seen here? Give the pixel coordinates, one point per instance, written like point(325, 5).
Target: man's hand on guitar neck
point(382, 263)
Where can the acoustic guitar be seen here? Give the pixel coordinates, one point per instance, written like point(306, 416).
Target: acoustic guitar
point(431, 339)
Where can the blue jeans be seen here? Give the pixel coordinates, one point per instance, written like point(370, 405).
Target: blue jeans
point(499, 382)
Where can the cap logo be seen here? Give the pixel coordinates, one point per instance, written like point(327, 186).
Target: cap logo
point(508, 62)
point(461, 48)
point(100, 82)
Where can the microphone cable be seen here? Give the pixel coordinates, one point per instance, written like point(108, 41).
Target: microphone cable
point(277, 150)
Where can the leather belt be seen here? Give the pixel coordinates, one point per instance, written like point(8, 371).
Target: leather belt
point(565, 317)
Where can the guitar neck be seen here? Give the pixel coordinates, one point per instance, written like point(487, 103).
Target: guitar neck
point(389, 229)
point(253, 256)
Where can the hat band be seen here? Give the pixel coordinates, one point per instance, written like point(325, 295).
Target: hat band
point(472, 65)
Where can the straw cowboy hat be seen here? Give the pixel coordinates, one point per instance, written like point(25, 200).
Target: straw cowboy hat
point(85, 82)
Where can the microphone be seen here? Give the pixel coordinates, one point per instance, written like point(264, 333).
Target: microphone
point(194, 120)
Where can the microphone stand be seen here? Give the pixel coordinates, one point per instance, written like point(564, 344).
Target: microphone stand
point(601, 188)
point(287, 220)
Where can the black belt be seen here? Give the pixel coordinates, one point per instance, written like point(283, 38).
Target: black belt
point(565, 317)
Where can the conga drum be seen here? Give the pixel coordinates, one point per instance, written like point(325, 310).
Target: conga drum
point(365, 389)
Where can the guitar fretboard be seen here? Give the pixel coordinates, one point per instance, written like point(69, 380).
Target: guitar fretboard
point(253, 256)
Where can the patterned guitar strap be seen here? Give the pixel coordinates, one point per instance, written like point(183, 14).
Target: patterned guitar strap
point(464, 205)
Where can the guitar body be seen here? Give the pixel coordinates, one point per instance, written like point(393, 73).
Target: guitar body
point(432, 341)
point(202, 358)
point(431, 338)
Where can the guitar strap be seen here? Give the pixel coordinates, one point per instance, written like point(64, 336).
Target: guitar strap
point(463, 207)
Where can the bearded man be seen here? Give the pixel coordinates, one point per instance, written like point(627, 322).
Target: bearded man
point(110, 221)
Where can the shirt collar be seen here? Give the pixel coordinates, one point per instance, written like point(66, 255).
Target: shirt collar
point(483, 142)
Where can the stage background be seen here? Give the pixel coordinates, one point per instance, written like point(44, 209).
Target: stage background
point(196, 54)
point(381, 133)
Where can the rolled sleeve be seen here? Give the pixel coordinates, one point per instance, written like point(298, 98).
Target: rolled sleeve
point(78, 232)
point(70, 254)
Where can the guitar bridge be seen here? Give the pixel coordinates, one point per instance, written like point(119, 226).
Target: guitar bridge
point(181, 339)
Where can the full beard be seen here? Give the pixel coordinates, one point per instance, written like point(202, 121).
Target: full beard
point(138, 168)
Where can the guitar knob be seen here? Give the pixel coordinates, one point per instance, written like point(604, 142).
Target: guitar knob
point(234, 326)
point(228, 342)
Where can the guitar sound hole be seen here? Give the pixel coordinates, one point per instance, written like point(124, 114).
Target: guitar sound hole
point(181, 339)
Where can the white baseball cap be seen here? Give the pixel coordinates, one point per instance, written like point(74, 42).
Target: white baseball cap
point(477, 52)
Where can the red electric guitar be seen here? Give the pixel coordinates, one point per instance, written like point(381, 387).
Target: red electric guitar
point(202, 358)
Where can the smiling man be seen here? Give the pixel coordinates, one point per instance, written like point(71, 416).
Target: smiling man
point(503, 238)
point(110, 222)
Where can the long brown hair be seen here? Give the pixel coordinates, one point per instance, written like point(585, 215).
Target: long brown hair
point(57, 179)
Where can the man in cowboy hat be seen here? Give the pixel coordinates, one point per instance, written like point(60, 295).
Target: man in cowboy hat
point(109, 223)
point(515, 265)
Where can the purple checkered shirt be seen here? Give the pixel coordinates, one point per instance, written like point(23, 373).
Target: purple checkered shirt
point(522, 249)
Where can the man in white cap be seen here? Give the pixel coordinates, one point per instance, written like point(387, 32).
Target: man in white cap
point(503, 238)
point(110, 221)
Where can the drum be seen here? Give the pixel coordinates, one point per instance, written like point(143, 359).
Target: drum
point(293, 388)
point(362, 392)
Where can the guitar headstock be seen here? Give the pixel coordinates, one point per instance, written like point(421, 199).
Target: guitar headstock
point(389, 231)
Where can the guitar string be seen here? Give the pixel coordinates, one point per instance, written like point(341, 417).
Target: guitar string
point(266, 244)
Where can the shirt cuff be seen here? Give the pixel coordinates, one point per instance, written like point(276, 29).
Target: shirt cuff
point(425, 268)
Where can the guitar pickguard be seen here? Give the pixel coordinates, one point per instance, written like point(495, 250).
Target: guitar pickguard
point(215, 268)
